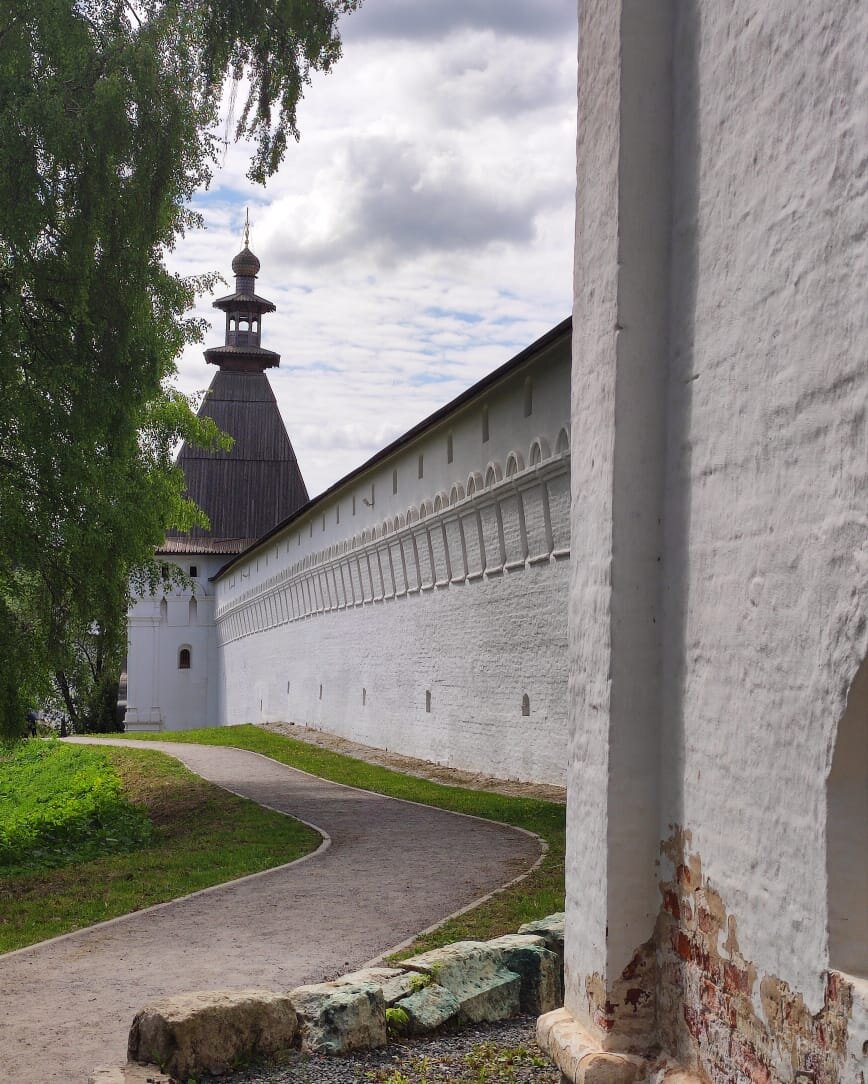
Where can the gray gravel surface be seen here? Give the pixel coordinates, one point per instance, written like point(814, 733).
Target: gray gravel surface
point(392, 868)
point(453, 1058)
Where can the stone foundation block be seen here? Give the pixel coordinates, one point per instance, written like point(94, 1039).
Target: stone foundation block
point(551, 929)
point(579, 1057)
point(129, 1074)
point(429, 1009)
point(338, 1018)
point(474, 973)
point(540, 971)
point(394, 983)
point(211, 1031)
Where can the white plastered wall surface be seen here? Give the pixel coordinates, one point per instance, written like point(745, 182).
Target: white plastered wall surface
point(767, 476)
point(760, 533)
point(161, 693)
point(422, 605)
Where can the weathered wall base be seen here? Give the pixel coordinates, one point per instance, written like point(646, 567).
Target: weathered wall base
point(717, 1020)
point(717, 1015)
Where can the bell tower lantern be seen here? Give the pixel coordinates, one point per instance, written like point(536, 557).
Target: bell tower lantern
point(241, 352)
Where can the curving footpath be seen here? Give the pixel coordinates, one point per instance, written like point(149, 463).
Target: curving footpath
point(386, 870)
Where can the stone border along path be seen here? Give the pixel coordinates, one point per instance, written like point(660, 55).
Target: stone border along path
point(386, 870)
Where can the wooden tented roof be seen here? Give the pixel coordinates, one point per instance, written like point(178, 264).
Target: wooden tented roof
point(246, 491)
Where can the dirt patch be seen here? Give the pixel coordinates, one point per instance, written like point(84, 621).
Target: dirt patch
point(423, 769)
point(171, 799)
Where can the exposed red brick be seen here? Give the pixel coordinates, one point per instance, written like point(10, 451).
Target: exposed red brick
point(745, 1057)
point(633, 967)
point(736, 980)
point(636, 996)
point(714, 1015)
point(671, 903)
point(707, 921)
point(710, 997)
point(684, 946)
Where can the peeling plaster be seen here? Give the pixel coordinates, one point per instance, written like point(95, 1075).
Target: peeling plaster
point(625, 1014)
point(689, 997)
point(716, 1015)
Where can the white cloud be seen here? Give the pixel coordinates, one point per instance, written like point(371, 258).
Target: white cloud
point(414, 21)
point(420, 234)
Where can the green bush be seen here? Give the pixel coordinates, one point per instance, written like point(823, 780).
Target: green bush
point(60, 804)
point(100, 713)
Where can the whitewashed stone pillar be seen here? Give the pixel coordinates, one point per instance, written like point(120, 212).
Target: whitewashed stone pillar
point(620, 321)
point(718, 724)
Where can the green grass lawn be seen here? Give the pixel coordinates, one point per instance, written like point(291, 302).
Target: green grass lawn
point(540, 894)
point(61, 804)
point(196, 835)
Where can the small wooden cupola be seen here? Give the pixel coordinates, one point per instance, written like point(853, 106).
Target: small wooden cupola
point(242, 352)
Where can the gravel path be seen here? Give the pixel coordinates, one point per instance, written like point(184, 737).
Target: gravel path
point(507, 1050)
point(390, 869)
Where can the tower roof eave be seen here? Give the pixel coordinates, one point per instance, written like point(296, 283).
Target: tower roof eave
point(250, 300)
point(246, 357)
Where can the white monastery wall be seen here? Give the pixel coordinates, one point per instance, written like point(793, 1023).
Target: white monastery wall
point(767, 476)
point(417, 604)
point(719, 541)
point(423, 675)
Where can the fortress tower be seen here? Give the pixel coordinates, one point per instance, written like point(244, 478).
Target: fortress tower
point(244, 492)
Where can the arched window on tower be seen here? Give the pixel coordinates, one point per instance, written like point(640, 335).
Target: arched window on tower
point(184, 658)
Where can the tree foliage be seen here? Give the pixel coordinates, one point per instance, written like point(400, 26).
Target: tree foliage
point(108, 114)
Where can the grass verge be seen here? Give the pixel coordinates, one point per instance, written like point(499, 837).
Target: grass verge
point(539, 894)
point(201, 836)
point(61, 804)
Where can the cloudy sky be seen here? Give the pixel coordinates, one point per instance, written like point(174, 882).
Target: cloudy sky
point(420, 234)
